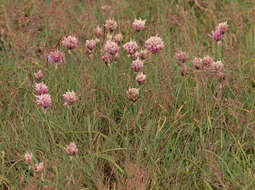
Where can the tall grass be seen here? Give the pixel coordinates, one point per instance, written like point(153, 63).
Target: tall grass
point(176, 136)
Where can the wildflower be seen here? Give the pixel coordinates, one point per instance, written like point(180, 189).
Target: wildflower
point(41, 88)
point(143, 54)
point(98, 32)
point(217, 67)
point(107, 59)
point(39, 167)
point(140, 78)
point(223, 27)
point(207, 60)
point(70, 42)
point(106, 8)
point(28, 158)
point(110, 25)
point(218, 34)
point(71, 149)
point(182, 57)
point(154, 44)
point(133, 94)
point(139, 25)
point(137, 65)
point(70, 98)
point(118, 38)
point(56, 57)
point(90, 46)
point(38, 75)
point(197, 63)
point(130, 47)
point(44, 100)
point(111, 47)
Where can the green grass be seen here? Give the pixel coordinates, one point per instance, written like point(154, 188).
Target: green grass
point(174, 137)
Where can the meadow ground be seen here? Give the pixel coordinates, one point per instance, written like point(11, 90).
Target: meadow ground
point(192, 125)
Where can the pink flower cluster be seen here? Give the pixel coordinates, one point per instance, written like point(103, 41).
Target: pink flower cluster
point(28, 158)
point(133, 94)
point(41, 88)
point(110, 25)
point(38, 168)
point(137, 65)
point(70, 98)
point(139, 25)
point(220, 31)
point(154, 44)
point(98, 32)
point(140, 78)
point(44, 100)
point(130, 47)
point(38, 75)
point(56, 57)
point(71, 149)
point(182, 57)
point(198, 63)
point(118, 38)
point(90, 46)
point(70, 42)
point(111, 48)
point(207, 61)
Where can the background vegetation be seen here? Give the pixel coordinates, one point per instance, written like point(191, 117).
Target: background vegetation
point(180, 138)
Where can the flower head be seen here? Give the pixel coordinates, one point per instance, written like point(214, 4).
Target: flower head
point(154, 44)
point(90, 46)
point(44, 100)
point(223, 27)
point(217, 67)
point(207, 61)
point(106, 8)
point(118, 38)
point(143, 54)
point(182, 57)
point(133, 94)
point(70, 42)
point(107, 58)
point(197, 63)
point(70, 98)
point(71, 149)
point(140, 78)
point(139, 25)
point(111, 48)
point(220, 31)
point(39, 167)
point(98, 32)
point(41, 88)
point(110, 25)
point(56, 57)
point(217, 35)
point(137, 65)
point(130, 47)
point(28, 158)
point(38, 75)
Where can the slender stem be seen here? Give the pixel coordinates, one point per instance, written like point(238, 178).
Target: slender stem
point(216, 51)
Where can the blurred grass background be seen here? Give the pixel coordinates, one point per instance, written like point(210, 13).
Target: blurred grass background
point(183, 139)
